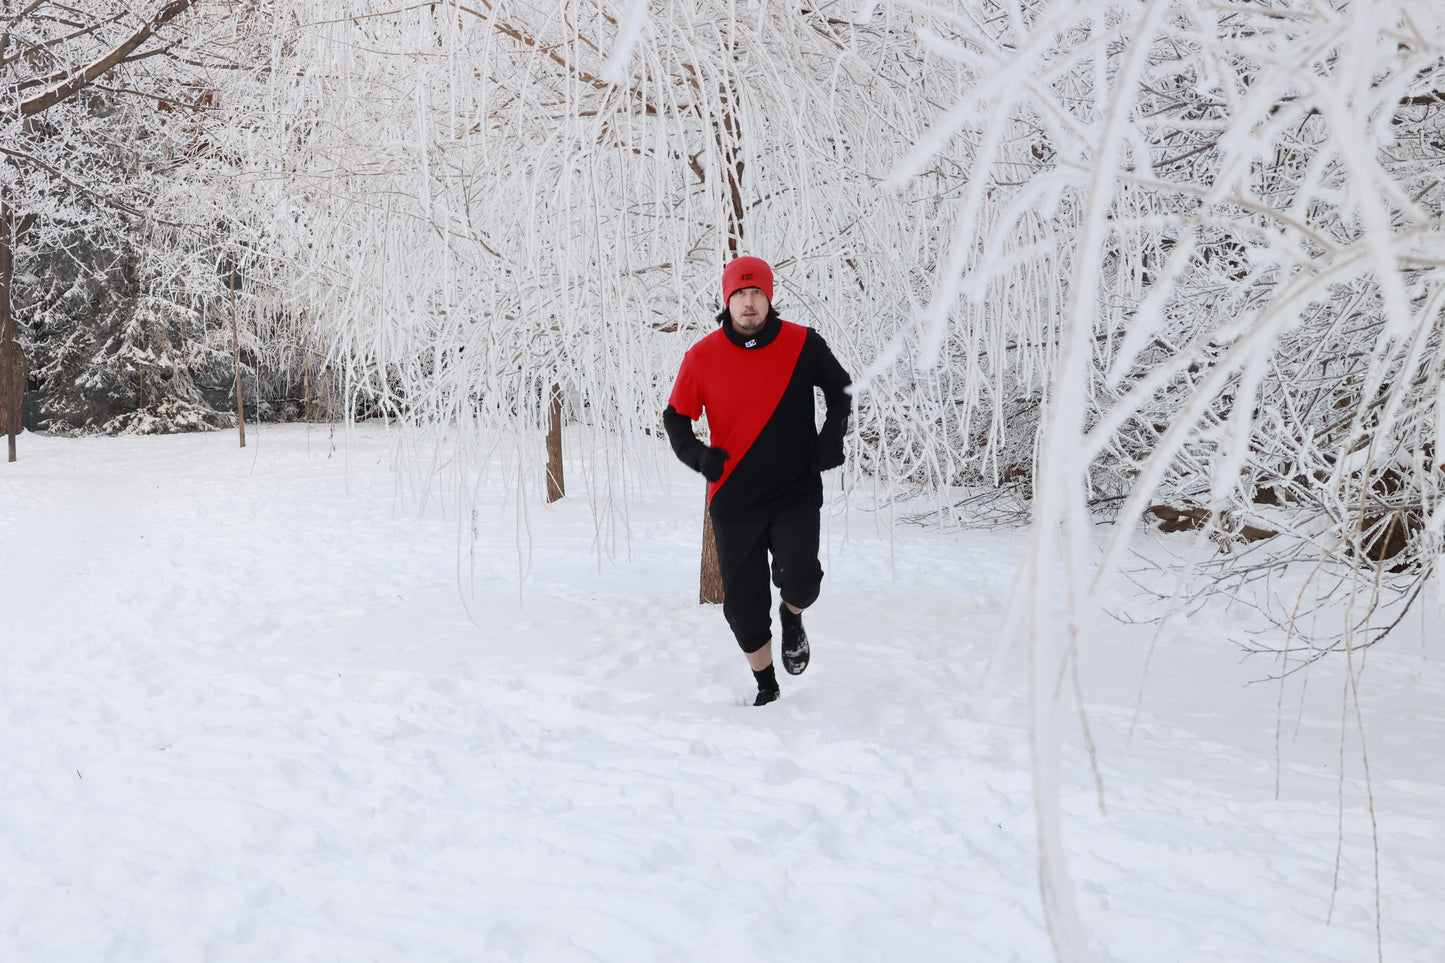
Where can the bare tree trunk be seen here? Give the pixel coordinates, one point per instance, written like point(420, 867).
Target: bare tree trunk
point(12, 362)
point(236, 359)
point(556, 487)
point(710, 587)
point(6, 264)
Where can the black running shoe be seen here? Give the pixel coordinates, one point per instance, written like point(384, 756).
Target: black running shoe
point(795, 640)
point(767, 695)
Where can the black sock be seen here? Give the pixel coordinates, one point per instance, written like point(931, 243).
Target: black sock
point(767, 678)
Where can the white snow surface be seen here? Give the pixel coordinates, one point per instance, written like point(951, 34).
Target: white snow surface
point(245, 714)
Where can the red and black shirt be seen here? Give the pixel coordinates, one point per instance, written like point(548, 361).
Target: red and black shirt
point(757, 393)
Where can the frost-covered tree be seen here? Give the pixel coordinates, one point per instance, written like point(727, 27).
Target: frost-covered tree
point(49, 55)
point(119, 209)
point(1241, 293)
point(1221, 226)
point(479, 201)
point(102, 297)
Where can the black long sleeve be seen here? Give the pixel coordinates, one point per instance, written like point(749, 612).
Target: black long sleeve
point(834, 381)
point(685, 444)
point(689, 449)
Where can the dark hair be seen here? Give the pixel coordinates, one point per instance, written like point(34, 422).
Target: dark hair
point(723, 316)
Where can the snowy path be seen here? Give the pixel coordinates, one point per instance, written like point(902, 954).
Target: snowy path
point(244, 715)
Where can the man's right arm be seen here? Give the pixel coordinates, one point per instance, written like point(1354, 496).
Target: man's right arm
point(689, 450)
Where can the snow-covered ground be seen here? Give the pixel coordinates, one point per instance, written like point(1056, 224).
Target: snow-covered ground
point(249, 711)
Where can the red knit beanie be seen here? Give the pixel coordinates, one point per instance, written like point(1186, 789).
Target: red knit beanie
point(747, 272)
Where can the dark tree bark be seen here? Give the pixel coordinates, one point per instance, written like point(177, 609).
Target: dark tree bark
point(710, 587)
point(556, 486)
point(12, 362)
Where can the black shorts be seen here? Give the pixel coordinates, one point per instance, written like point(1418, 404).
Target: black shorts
point(791, 537)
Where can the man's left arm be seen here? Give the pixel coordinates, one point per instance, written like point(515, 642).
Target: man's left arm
point(834, 381)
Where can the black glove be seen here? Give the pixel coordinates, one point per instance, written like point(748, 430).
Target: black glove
point(828, 452)
point(709, 461)
point(827, 455)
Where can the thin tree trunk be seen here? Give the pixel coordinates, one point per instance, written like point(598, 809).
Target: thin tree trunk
point(13, 370)
point(556, 487)
point(6, 265)
point(236, 359)
point(710, 587)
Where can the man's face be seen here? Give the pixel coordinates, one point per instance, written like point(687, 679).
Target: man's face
point(748, 308)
